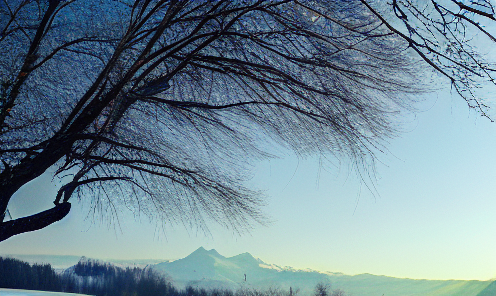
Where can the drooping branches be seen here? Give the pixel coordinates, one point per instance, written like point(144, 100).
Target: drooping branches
point(163, 105)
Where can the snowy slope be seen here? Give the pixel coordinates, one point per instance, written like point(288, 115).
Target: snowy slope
point(14, 292)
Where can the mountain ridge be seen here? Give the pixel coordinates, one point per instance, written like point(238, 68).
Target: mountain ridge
point(209, 269)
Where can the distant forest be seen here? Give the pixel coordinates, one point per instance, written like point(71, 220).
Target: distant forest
point(104, 279)
point(90, 277)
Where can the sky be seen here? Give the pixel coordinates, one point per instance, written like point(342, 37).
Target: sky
point(432, 215)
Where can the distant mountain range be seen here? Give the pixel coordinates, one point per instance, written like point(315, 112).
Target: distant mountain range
point(209, 269)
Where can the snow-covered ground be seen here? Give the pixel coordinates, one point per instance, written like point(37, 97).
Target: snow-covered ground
point(13, 292)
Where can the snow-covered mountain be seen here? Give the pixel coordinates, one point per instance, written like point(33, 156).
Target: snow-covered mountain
point(209, 269)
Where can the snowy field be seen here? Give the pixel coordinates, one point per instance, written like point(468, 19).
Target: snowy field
point(12, 292)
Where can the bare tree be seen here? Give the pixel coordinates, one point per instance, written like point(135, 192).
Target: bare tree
point(161, 105)
point(322, 289)
point(448, 36)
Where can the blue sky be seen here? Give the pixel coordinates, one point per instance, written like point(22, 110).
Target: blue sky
point(433, 215)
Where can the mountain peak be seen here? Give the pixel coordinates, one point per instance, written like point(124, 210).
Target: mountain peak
point(244, 255)
point(213, 252)
point(246, 258)
point(201, 251)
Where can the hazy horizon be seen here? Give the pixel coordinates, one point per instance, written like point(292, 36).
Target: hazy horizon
point(161, 260)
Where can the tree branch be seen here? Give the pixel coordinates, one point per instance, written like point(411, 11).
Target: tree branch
point(34, 222)
point(473, 10)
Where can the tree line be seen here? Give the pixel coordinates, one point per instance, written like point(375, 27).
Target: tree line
point(103, 279)
point(88, 278)
point(16, 274)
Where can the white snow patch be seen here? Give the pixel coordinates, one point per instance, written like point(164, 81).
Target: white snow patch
point(267, 266)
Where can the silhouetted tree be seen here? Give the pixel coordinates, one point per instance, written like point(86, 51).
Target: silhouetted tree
point(161, 104)
point(322, 289)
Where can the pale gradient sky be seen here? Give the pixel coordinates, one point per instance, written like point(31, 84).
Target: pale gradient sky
point(434, 217)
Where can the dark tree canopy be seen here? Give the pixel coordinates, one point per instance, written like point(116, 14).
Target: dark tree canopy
point(160, 105)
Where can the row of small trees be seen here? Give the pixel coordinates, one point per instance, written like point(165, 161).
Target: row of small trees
point(100, 279)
